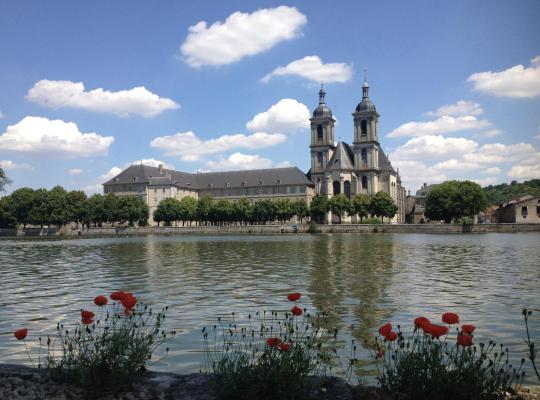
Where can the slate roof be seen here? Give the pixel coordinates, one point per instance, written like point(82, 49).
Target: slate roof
point(341, 159)
point(384, 162)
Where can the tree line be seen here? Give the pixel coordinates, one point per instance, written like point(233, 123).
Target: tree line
point(58, 207)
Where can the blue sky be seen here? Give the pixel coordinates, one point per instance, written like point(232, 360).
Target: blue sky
point(87, 88)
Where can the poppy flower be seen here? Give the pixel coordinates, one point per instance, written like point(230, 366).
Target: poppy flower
point(21, 334)
point(87, 321)
point(284, 346)
point(100, 301)
point(118, 296)
point(87, 314)
point(435, 331)
point(450, 318)
point(385, 329)
point(391, 336)
point(273, 342)
point(379, 354)
point(418, 322)
point(464, 340)
point(296, 310)
point(129, 301)
point(468, 329)
point(294, 296)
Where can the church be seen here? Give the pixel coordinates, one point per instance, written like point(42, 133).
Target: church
point(362, 167)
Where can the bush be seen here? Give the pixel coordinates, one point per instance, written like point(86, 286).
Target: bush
point(423, 366)
point(312, 228)
point(371, 221)
point(270, 357)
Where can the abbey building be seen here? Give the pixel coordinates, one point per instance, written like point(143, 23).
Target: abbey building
point(360, 167)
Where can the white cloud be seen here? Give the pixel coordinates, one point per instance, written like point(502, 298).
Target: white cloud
point(515, 82)
point(239, 161)
point(312, 68)
point(110, 174)
point(444, 124)
point(75, 171)
point(136, 101)
point(488, 134)
point(93, 189)
point(414, 173)
point(287, 115)
point(501, 153)
point(460, 165)
point(8, 164)
point(241, 35)
point(490, 180)
point(492, 171)
point(527, 168)
point(458, 109)
point(151, 162)
point(429, 147)
point(189, 147)
point(53, 137)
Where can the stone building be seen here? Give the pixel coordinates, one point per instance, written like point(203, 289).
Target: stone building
point(524, 210)
point(336, 168)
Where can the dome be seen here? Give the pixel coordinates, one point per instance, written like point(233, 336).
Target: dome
point(322, 111)
point(365, 105)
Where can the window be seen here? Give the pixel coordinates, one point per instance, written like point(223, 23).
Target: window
point(163, 190)
point(319, 158)
point(364, 156)
point(337, 187)
point(347, 188)
point(524, 211)
point(364, 182)
point(363, 127)
point(538, 210)
point(319, 132)
point(155, 191)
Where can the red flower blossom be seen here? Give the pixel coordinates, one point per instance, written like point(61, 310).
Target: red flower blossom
point(385, 329)
point(435, 331)
point(294, 296)
point(391, 336)
point(100, 301)
point(87, 321)
point(21, 334)
point(87, 314)
point(284, 346)
point(464, 340)
point(129, 301)
point(296, 310)
point(118, 296)
point(379, 354)
point(273, 342)
point(450, 318)
point(468, 329)
point(418, 322)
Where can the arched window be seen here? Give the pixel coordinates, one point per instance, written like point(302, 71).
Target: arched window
point(363, 127)
point(364, 182)
point(364, 156)
point(347, 188)
point(319, 158)
point(336, 187)
point(319, 132)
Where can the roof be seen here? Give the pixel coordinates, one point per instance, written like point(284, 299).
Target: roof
point(152, 175)
point(384, 162)
point(341, 159)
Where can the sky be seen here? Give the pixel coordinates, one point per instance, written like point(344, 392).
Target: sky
point(88, 88)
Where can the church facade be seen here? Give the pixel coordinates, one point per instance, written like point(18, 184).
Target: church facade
point(360, 167)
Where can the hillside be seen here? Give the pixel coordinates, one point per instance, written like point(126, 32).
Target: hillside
point(505, 192)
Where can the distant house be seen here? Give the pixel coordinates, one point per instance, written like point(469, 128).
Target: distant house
point(417, 204)
point(524, 210)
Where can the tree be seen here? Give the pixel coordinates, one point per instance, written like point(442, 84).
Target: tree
point(264, 211)
point(187, 209)
point(382, 205)
point(133, 209)
point(76, 200)
point(110, 208)
point(360, 205)
point(4, 180)
point(284, 210)
point(39, 211)
point(58, 206)
point(168, 210)
point(242, 210)
point(21, 203)
point(455, 199)
point(7, 219)
point(319, 207)
point(339, 205)
point(94, 210)
point(204, 205)
point(301, 209)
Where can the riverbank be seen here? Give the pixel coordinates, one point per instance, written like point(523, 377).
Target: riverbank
point(274, 229)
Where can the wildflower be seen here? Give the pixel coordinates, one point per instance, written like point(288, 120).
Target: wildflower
point(450, 318)
point(468, 329)
point(391, 336)
point(435, 331)
point(385, 329)
point(129, 301)
point(100, 301)
point(21, 334)
point(273, 341)
point(87, 321)
point(87, 314)
point(294, 296)
point(118, 296)
point(418, 322)
point(296, 310)
point(464, 340)
point(284, 346)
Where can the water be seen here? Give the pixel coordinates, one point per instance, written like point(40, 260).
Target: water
point(361, 280)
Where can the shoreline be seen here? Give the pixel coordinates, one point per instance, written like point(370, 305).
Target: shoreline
point(272, 229)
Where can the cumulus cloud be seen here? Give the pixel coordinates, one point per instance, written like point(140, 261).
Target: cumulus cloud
point(152, 162)
point(444, 124)
point(8, 164)
point(514, 82)
point(136, 101)
point(287, 115)
point(96, 188)
point(75, 171)
point(430, 147)
point(189, 147)
point(488, 134)
point(241, 35)
point(458, 109)
point(239, 161)
point(110, 174)
point(42, 136)
point(492, 153)
point(414, 173)
point(313, 69)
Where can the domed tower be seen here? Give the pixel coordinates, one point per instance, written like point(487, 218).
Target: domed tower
point(366, 143)
point(322, 139)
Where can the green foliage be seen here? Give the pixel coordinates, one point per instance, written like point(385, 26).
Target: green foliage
point(263, 211)
point(455, 199)
point(242, 210)
point(496, 194)
point(339, 205)
point(319, 207)
point(204, 207)
point(312, 228)
point(301, 209)
point(168, 211)
point(530, 343)
point(7, 219)
point(372, 221)
point(21, 201)
point(382, 205)
point(361, 205)
point(285, 209)
point(4, 180)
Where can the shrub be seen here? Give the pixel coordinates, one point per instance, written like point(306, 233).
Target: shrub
point(371, 221)
point(423, 366)
point(270, 356)
point(312, 228)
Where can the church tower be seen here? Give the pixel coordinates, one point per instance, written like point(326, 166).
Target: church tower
point(366, 144)
point(322, 140)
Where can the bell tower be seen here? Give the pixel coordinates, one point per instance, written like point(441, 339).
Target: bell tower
point(322, 139)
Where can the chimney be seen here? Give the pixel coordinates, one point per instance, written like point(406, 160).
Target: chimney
point(160, 169)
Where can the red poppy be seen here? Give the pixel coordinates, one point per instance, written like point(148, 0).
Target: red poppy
point(435, 331)
point(296, 310)
point(87, 314)
point(118, 296)
point(273, 342)
point(468, 329)
point(21, 334)
point(100, 301)
point(87, 321)
point(464, 340)
point(391, 336)
point(294, 296)
point(450, 318)
point(379, 354)
point(284, 346)
point(129, 301)
point(418, 322)
point(385, 329)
